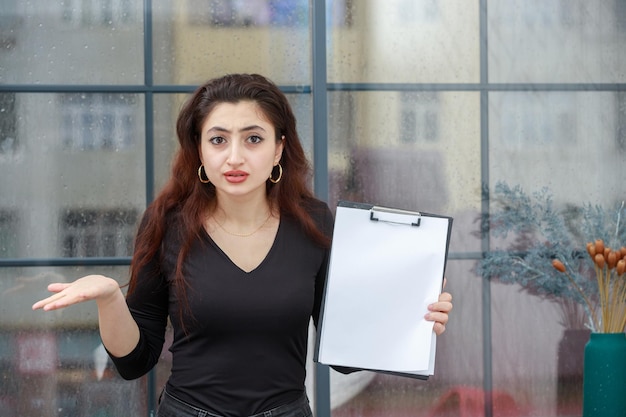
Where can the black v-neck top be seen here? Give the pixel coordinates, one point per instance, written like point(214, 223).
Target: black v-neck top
point(244, 345)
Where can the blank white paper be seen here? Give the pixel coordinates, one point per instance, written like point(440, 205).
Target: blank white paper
point(382, 276)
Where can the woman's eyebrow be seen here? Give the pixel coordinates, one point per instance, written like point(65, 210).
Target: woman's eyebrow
point(243, 129)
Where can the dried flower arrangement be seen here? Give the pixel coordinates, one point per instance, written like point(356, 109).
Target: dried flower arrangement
point(536, 233)
point(609, 266)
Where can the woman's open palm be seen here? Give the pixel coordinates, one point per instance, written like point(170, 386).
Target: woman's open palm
point(90, 287)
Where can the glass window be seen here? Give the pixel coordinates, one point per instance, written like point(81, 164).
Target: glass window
point(402, 41)
point(93, 233)
point(620, 133)
point(72, 42)
point(54, 364)
point(573, 134)
point(248, 13)
point(102, 13)
point(556, 41)
point(214, 37)
point(98, 121)
point(9, 236)
point(620, 16)
point(78, 152)
point(426, 11)
point(412, 150)
point(418, 117)
point(8, 125)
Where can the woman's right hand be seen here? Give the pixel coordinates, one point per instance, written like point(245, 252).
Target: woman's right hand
point(91, 287)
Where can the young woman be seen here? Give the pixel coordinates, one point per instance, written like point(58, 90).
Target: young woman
point(234, 252)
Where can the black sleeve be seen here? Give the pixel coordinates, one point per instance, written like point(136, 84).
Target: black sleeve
point(324, 220)
point(148, 304)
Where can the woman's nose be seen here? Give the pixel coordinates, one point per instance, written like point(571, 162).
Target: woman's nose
point(235, 157)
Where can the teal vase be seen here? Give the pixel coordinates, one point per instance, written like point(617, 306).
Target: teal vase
point(604, 375)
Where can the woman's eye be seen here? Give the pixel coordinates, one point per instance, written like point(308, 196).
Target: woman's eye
point(255, 139)
point(217, 140)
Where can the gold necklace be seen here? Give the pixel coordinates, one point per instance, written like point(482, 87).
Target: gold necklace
point(243, 234)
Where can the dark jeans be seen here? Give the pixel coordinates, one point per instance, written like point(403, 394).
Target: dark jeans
point(171, 406)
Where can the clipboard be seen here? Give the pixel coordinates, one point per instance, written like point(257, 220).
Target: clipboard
point(386, 265)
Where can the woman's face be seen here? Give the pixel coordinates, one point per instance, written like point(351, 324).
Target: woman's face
point(238, 148)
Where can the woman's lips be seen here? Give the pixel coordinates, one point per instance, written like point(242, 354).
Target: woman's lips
point(235, 176)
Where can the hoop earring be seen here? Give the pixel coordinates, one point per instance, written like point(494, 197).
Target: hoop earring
point(204, 180)
point(280, 174)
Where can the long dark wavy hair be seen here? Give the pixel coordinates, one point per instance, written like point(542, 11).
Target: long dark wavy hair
point(190, 200)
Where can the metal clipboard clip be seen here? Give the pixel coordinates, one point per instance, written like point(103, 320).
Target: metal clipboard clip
point(387, 215)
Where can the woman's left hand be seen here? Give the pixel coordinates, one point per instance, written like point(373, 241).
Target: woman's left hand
point(438, 312)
